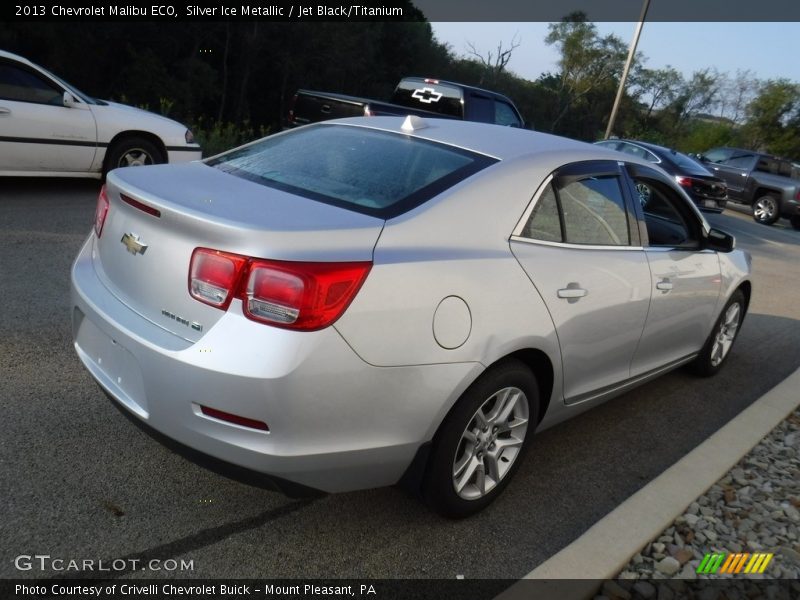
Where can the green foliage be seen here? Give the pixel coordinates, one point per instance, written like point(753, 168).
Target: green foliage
point(774, 118)
point(217, 136)
point(702, 135)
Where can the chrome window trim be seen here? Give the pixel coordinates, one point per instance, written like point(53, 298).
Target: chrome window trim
point(679, 249)
point(518, 238)
point(657, 160)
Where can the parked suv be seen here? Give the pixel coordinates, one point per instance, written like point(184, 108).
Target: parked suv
point(769, 184)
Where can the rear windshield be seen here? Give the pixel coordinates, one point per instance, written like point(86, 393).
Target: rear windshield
point(443, 99)
point(378, 173)
point(687, 163)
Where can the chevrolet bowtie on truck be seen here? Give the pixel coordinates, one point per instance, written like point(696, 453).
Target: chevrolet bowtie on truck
point(432, 98)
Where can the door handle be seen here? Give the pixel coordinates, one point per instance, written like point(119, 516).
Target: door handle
point(664, 285)
point(572, 293)
point(4, 111)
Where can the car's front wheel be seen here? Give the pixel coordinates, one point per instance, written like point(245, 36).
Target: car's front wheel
point(766, 210)
point(133, 152)
point(720, 341)
point(479, 446)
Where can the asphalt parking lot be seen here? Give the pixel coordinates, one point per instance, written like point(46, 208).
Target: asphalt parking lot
point(80, 482)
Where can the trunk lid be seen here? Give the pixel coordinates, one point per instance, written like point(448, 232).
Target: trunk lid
point(144, 259)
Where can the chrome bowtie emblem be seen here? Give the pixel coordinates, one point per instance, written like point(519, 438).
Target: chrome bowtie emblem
point(427, 95)
point(133, 244)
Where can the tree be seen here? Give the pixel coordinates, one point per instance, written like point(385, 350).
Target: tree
point(694, 96)
point(493, 63)
point(735, 93)
point(588, 62)
point(774, 118)
point(656, 87)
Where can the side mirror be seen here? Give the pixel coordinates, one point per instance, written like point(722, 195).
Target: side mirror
point(720, 241)
point(69, 100)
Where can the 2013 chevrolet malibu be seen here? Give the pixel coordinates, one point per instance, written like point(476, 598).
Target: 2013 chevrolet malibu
point(362, 302)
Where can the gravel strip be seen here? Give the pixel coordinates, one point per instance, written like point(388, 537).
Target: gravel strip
point(755, 507)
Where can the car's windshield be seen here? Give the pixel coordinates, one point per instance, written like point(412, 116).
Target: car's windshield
point(374, 172)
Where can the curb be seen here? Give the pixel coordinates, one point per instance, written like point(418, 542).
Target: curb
point(590, 560)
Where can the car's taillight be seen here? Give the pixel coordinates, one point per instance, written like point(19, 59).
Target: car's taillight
point(684, 181)
point(214, 276)
point(301, 295)
point(100, 211)
point(305, 296)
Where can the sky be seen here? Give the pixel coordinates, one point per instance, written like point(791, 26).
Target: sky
point(770, 50)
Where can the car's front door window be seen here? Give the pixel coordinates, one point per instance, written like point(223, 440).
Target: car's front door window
point(663, 215)
point(20, 85)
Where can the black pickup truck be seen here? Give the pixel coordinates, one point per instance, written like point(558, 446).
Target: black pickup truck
point(412, 96)
point(769, 184)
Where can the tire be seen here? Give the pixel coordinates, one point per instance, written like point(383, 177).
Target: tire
point(720, 341)
point(766, 209)
point(795, 221)
point(480, 445)
point(133, 152)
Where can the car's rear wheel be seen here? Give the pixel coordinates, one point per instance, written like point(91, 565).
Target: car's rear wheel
point(720, 341)
point(795, 221)
point(133, 152)
point(766, 210)
point(479, 446)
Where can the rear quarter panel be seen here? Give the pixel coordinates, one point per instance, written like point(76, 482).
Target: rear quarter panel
point(456, 245)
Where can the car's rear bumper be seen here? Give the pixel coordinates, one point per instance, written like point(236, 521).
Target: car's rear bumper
point(709, 204)
point(335, 422)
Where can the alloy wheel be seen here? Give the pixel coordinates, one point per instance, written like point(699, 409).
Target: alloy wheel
point(490, 443)
point(765, 208)
point(726, 334)
point(135, 157)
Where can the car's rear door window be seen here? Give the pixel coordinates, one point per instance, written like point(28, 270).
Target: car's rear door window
point(545, 222)
point(370, 171)
point(594, 212)
point(587, 209)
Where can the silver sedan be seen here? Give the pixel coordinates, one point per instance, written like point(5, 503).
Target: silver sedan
point(373, 301)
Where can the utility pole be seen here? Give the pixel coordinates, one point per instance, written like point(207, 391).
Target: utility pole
point(631, 54)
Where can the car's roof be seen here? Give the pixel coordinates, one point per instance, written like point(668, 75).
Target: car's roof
point(648, 145)
point(500, 142)
point(5, 54)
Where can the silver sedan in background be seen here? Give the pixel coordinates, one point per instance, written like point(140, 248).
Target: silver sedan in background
point(364, 302)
